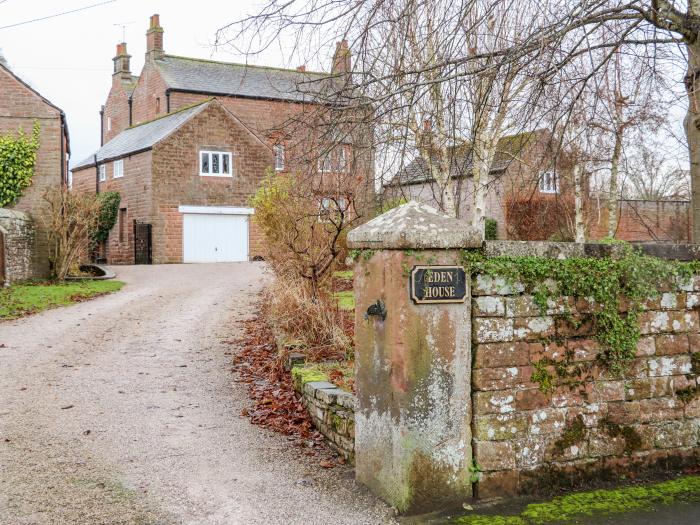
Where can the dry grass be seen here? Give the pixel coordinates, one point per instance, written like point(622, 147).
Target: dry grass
point(318, 324)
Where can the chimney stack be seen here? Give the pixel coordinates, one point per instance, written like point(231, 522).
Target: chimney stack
point(154, 39)
point(301, 68)
point(122, 62)
point(341, 59)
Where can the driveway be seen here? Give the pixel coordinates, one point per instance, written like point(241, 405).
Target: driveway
point(124, 410)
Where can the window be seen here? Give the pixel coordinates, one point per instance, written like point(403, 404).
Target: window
point(279, 157)
point(325, 164)
point(549, 182)
point(341, 160)
point(215, 164)
point(118, 169)
point(109, 123)
point(122, 224)
point(103, 172)
point(331, 206)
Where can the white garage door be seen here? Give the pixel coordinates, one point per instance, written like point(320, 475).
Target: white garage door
point(214, 237)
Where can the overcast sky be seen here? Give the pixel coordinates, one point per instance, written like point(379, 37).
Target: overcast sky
point(68, 59)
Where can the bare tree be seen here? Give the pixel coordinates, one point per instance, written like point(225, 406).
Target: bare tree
point(429, 70)
point(648, 176)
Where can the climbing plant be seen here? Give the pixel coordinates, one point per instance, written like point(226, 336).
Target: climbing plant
point(604, 282)
point(17, 162)
point(109, 210)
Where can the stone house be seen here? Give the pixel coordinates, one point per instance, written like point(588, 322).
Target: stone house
point(524, 179)
point(186, 144)
point(24, 250)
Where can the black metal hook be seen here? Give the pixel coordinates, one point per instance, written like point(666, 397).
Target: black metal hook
point(377, 309)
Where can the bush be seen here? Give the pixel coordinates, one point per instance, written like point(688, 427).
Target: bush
point(315, 322)
point(491, 230)
point(109, 210)
point(71, 220)
point(17, 161)
point(304, 239)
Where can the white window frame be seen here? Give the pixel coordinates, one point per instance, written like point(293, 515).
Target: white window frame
point(279, 157)
point(109, 123)
point(118, 169)
point(103, 172)
point(328, 205)
point(341, 154)
point(549, 182)
point(221, 155)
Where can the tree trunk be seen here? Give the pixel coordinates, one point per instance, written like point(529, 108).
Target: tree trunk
point(612, 196)
point(580, 226)
point(692, 130)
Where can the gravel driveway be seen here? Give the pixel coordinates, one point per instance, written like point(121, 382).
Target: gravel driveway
point(124, 410)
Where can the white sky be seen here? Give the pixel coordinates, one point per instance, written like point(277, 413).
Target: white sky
point(68, 59)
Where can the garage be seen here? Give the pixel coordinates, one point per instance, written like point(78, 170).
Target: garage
point(214, 233)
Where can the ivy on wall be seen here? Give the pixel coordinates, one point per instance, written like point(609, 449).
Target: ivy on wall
point(109, 209)
point(606, 282)
point(17, 162)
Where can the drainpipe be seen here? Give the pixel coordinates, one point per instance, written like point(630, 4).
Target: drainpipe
point(167, 100)
point(97, 174)
point(64, 166)
point(131, 104)
point(102, 126)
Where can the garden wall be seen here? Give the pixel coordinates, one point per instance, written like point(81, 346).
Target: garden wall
point(546, 413)
point(331, 409)
point(17, 234)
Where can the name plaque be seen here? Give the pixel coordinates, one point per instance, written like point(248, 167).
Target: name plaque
point(438, 284)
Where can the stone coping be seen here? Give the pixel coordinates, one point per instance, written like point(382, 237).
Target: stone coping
point(414, 226)
point(6, 213)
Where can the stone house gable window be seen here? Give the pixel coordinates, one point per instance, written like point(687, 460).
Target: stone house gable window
point(330, 207)
point(334, 161)
point(279, 157)
point(103, 172)
point(549, 182)
point(215, 164)
point(118, 169)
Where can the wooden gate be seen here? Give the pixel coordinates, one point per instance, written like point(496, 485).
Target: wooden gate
point(142, 243)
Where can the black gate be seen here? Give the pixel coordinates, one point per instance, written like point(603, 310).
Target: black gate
point(142, 243)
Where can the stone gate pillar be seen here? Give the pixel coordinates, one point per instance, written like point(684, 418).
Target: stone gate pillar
point(413, 357)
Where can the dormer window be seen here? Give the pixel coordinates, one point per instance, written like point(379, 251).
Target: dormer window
point(215, 164)
point(549, 182)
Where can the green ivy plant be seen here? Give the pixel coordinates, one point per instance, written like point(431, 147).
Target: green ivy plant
point(17, 162)
point(605, 282)
point(109, 210)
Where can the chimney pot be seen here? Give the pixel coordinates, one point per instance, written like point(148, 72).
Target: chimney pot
point(427, 125)
point(301, 68)
point(155, 21)
point(341, 59)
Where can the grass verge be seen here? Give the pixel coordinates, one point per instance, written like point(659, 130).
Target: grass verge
point(568, 508)
point(346, 300)
point(30, 298)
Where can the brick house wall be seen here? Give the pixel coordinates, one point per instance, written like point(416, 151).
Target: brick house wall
point(158, 181)
point(20, 107)
point(176, 179)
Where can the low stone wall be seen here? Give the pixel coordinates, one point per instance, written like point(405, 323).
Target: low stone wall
point(529, 438)
point(332, 411)
point(18, 232)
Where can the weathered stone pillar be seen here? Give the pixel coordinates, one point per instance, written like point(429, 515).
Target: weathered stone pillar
point(413, 366)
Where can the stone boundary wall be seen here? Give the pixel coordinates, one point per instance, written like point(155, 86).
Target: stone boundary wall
point(596, 426)
point(18, 231)
point(332, 411)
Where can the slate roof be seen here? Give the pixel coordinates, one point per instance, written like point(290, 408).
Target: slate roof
point(225, 78)
point(142, 136)
point(417, 172)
